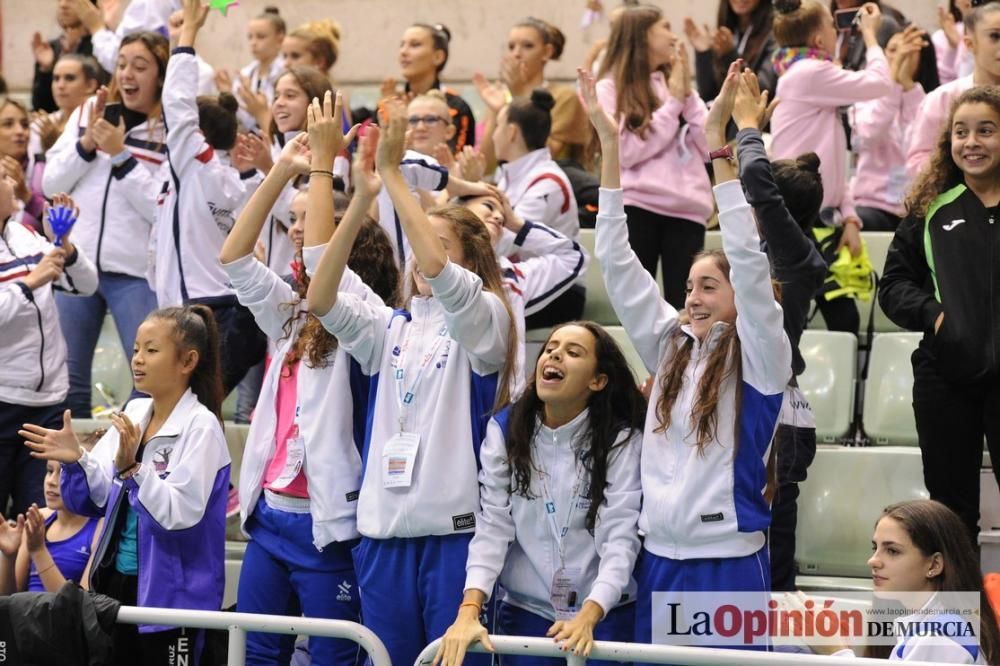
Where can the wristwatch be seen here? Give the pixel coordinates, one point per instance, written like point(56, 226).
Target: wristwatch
point(723, 153)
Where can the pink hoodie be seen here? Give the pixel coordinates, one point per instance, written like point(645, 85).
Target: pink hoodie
point(807, 119)
point(952, 61)
point(927, 126)
point(665, 172)
point(878, 130)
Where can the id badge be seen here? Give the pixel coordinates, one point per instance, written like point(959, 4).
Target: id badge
point(398, 459)
point(565, 593)
point(294, 459)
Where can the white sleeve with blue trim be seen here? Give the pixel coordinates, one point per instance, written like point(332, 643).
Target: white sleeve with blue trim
point(494, 521)
point(360, 327)
point(550, 264)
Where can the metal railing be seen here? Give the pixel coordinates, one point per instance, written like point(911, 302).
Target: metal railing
point(656, 654)
point(238, 624)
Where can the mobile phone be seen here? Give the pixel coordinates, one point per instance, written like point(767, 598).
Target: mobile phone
point(113, 112)
point(845, 19)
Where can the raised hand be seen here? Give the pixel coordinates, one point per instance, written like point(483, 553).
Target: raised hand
point(296, 155)
point(722, 107)
point(723, 42)
point(471, 164)
point(109, 138)
point(12, 169)
point(701, 39)
point(947, 22)
point(494, 95)
point(129, 436)
point(607, 128)
point(389, 88)
point(47, 128)
point(11, 533)
point(252, 152)
point(326, 130)
point(48, 444)
point(515, 75)
point(366, 180)
point(223, 81)
point(194, 15)
point(34, 529)
point(254, 102)
point(44, 55)
point(751, 107)
point(392, 144)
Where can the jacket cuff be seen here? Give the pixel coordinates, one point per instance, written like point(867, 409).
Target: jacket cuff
point(729, 195)
point(611, 202)
point(523, 233)
point(311, 256)
point(183, 49)
point(26, 290)
point(480, 578)
point(71, 259)
point(242, 269)
point(446, 280)
point(84, 154)
point(604, 595)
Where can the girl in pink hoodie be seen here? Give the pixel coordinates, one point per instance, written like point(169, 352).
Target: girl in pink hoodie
point(812, 87)
point(646, 87)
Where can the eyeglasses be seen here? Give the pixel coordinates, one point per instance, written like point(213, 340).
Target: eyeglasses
point(430, 121)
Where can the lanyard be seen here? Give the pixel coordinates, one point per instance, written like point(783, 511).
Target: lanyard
point(741, 47)
point(550, 506)
point(403, 395)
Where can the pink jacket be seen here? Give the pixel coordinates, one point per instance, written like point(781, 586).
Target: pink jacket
point(930, 120)
point(808, 120)
point(952, 62)
point(878, 130)
point(665, 172)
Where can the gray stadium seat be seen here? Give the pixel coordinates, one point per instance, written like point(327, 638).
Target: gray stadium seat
point(110, 369)
point(598, 305)
point(845, 492)
point(888, 407)
point(829, 380)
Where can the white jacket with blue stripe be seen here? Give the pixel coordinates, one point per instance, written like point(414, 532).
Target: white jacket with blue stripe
point(708, 503)
point(450, 408)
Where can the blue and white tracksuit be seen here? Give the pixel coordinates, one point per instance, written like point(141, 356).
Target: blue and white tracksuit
point(548, 263)
point(198, 200)
point(416, 537)
point(179, 496)
point(704, 513)
point(421, 172)
point(515, 540)
point(299, 555)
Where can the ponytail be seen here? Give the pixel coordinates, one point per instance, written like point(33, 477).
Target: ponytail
point(195, 328)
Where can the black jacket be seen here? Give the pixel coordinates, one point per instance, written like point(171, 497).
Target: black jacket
point(68, 628)
point(795, 261)
point(961, 278)
point(41, 86)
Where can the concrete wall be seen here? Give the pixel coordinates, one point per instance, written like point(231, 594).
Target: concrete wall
point(371, 29)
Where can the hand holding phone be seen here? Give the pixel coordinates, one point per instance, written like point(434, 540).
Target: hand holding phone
point(113, 112)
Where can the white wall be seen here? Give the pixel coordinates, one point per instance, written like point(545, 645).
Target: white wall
point(371, 29)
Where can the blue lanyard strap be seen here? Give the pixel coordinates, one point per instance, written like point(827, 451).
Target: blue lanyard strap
point(404, 395)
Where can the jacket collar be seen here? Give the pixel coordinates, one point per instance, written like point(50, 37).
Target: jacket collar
point(711, 340)
point(518, 170)
point(567, 432)
point(179, 418)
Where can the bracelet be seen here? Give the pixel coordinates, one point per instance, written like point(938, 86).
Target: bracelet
point(478, 607)
point(321, 172)
point(123, 474)
point(51, 566)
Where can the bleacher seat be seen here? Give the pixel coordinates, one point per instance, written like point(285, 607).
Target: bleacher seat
point(598, 305)
point(828, 382)
point(110, 368)
point(713, 240)
point(888, 406)
point(845, 493)
point(878, 248)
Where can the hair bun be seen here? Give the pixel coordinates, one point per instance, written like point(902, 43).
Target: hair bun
point(228, 102)
point(543, 99)
point(441, 27)
point(271, 9)
point(787, 6)
point(808, 162)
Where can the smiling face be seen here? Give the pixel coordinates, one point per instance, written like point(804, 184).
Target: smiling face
point(445, 231)
point(264, 40)
point(710, 297)
point(15, 128)
point(417, 55)
point(290, 105)
point(53, 498)
point(296, 232)
point(897, 564)
point(430, 124)
point(158, 364)
point(138, 77)
point(566, 371)
point(490, 211)
point(975, 141)
point(662, 44)
point(69, 85)
point(526, 45)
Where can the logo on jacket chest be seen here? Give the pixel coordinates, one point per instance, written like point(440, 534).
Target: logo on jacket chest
point(161, 458)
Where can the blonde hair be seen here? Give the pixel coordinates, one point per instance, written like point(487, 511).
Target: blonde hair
point(322, 40)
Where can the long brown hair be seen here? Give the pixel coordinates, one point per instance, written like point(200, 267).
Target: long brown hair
point(934, 528)
point(618, 406)
point(723, 363)
point(374, 260)
point(761, 20)
point(627, 63)
point(942, 174)
point(481, 259)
